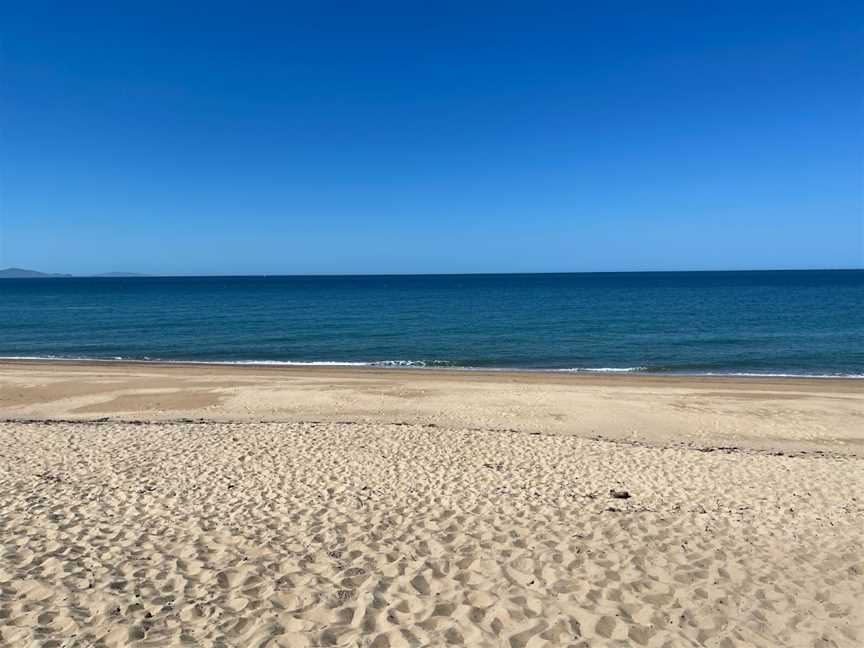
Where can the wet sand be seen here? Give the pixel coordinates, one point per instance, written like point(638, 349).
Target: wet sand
point(148, 504)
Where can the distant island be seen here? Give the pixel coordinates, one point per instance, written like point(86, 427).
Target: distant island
point(22, 273)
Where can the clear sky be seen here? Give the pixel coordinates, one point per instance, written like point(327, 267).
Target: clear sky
point(431, 137)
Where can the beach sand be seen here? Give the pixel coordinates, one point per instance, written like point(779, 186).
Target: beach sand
point(200, 505)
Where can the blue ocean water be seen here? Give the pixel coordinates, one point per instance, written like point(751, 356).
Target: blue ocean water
point(784, 322)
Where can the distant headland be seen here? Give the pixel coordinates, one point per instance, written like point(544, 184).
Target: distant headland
point(22, 273)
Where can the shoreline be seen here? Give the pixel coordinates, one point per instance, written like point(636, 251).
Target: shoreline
point(669, 377)
point(778, 413)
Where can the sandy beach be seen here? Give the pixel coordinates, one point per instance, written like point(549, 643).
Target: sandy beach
point(205, 505)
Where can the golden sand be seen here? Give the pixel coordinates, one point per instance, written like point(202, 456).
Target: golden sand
point(159, 505)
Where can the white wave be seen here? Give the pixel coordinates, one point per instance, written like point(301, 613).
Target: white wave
point(287, 363)
point(432, 365)
point(322, 363)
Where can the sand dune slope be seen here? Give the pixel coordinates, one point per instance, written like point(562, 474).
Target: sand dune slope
point(339, 534)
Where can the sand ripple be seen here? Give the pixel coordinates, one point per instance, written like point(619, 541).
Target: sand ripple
point(304, 534)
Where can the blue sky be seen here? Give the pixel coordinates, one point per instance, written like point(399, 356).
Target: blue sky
point(431, 137)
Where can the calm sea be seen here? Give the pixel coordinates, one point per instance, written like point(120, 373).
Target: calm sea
point(791, 322)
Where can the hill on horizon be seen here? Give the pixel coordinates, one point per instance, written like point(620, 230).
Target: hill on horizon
point(23, 273)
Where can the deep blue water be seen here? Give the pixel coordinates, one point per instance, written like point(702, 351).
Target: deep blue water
point(789, 322)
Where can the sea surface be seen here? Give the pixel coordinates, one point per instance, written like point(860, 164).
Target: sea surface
point(785, 322)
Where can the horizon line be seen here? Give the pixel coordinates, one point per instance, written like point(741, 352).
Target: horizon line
point(121, 275)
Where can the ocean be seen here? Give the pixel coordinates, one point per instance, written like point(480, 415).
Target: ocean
point(765, 322)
